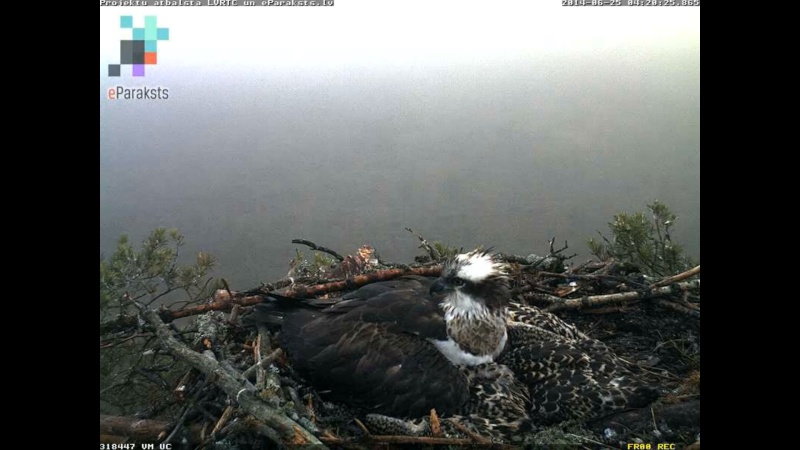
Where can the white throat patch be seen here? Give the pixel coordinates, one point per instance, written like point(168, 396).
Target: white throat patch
point(451, 350)
point(461, 305)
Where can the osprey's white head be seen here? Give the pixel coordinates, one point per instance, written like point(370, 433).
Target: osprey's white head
point(476, 266)
point(473, 283)
point(473, 292)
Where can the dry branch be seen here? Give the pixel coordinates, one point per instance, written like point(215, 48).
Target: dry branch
point(679, 277)
point(595, 300)
point(436, 426)
point(143, 430)
point(390, 439)
point(358, 281)
point(318, 248)
point(265, 361)
point(226, 416)
point(678, 307)
point(432, 252)
point(474, 436)
point(235, 386)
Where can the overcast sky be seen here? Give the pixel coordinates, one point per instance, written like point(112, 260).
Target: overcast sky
point(397, 32)
point(497, 123)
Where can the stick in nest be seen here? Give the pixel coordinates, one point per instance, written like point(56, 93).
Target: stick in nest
point(436, 427)
point(472, 435)
point(318, 248)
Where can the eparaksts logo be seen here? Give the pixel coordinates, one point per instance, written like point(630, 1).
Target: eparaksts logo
point(138, 53)
point(138, 93)
point(142, 49)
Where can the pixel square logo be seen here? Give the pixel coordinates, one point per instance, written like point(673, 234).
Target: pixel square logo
point(142, 49)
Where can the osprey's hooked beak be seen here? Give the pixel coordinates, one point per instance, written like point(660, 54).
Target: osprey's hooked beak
point(438, 287)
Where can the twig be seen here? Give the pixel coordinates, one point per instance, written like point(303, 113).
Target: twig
point(226, 415)
point(399, 440)
point(516, 259)
point(178, 424)
point(318, 248)
point(589, 440)
point(363, 427)
point(260, 377)
point(235, 311)
point(555, 252)
point(264, 362)
point(472, 435)
point(612, 309)
point(580, 266)
point(312, 412)
point(359, 280)
point(138, 429)
point(114, 342)
point(225, 285)
point(434, 254)
point(679, 277)
point(235, 387)
point(623, 297)
point(678, 307)
point(653, 414)
point(436, 426)
point(299, 406)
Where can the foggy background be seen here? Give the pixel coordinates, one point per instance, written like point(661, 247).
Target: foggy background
point(343, 125)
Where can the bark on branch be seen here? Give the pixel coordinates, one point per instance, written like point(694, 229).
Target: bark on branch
point(358, 281)
point(679, 277)
point(595, 300)
point(143, 430)
point(318, 248)
point(426, 440)
point(235, 386)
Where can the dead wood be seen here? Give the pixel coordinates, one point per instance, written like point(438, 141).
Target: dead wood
point(684, 414)
point(679, 277)
point(318, 248)
point(260, 416)
point(237, 387)
point(474, 436)
point(595, 300)
point(432, 252)
point(144, 430)
point(358, 281)
point(678, 307)
point(426, 440)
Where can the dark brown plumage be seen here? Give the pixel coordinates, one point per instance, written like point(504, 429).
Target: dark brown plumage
point(398, 347)
point(371, 350)
point(401, 348)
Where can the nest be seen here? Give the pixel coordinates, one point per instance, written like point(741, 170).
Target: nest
point(239, 390)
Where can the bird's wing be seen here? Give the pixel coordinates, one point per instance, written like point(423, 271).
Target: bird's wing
point(372, 349)
point(404, 303)
point(373, 365)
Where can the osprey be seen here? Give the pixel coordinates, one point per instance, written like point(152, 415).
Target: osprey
point(457, 344)
point(569, 374)
point(399, 347)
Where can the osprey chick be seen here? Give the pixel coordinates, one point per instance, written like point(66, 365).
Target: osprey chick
point(569, 375)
